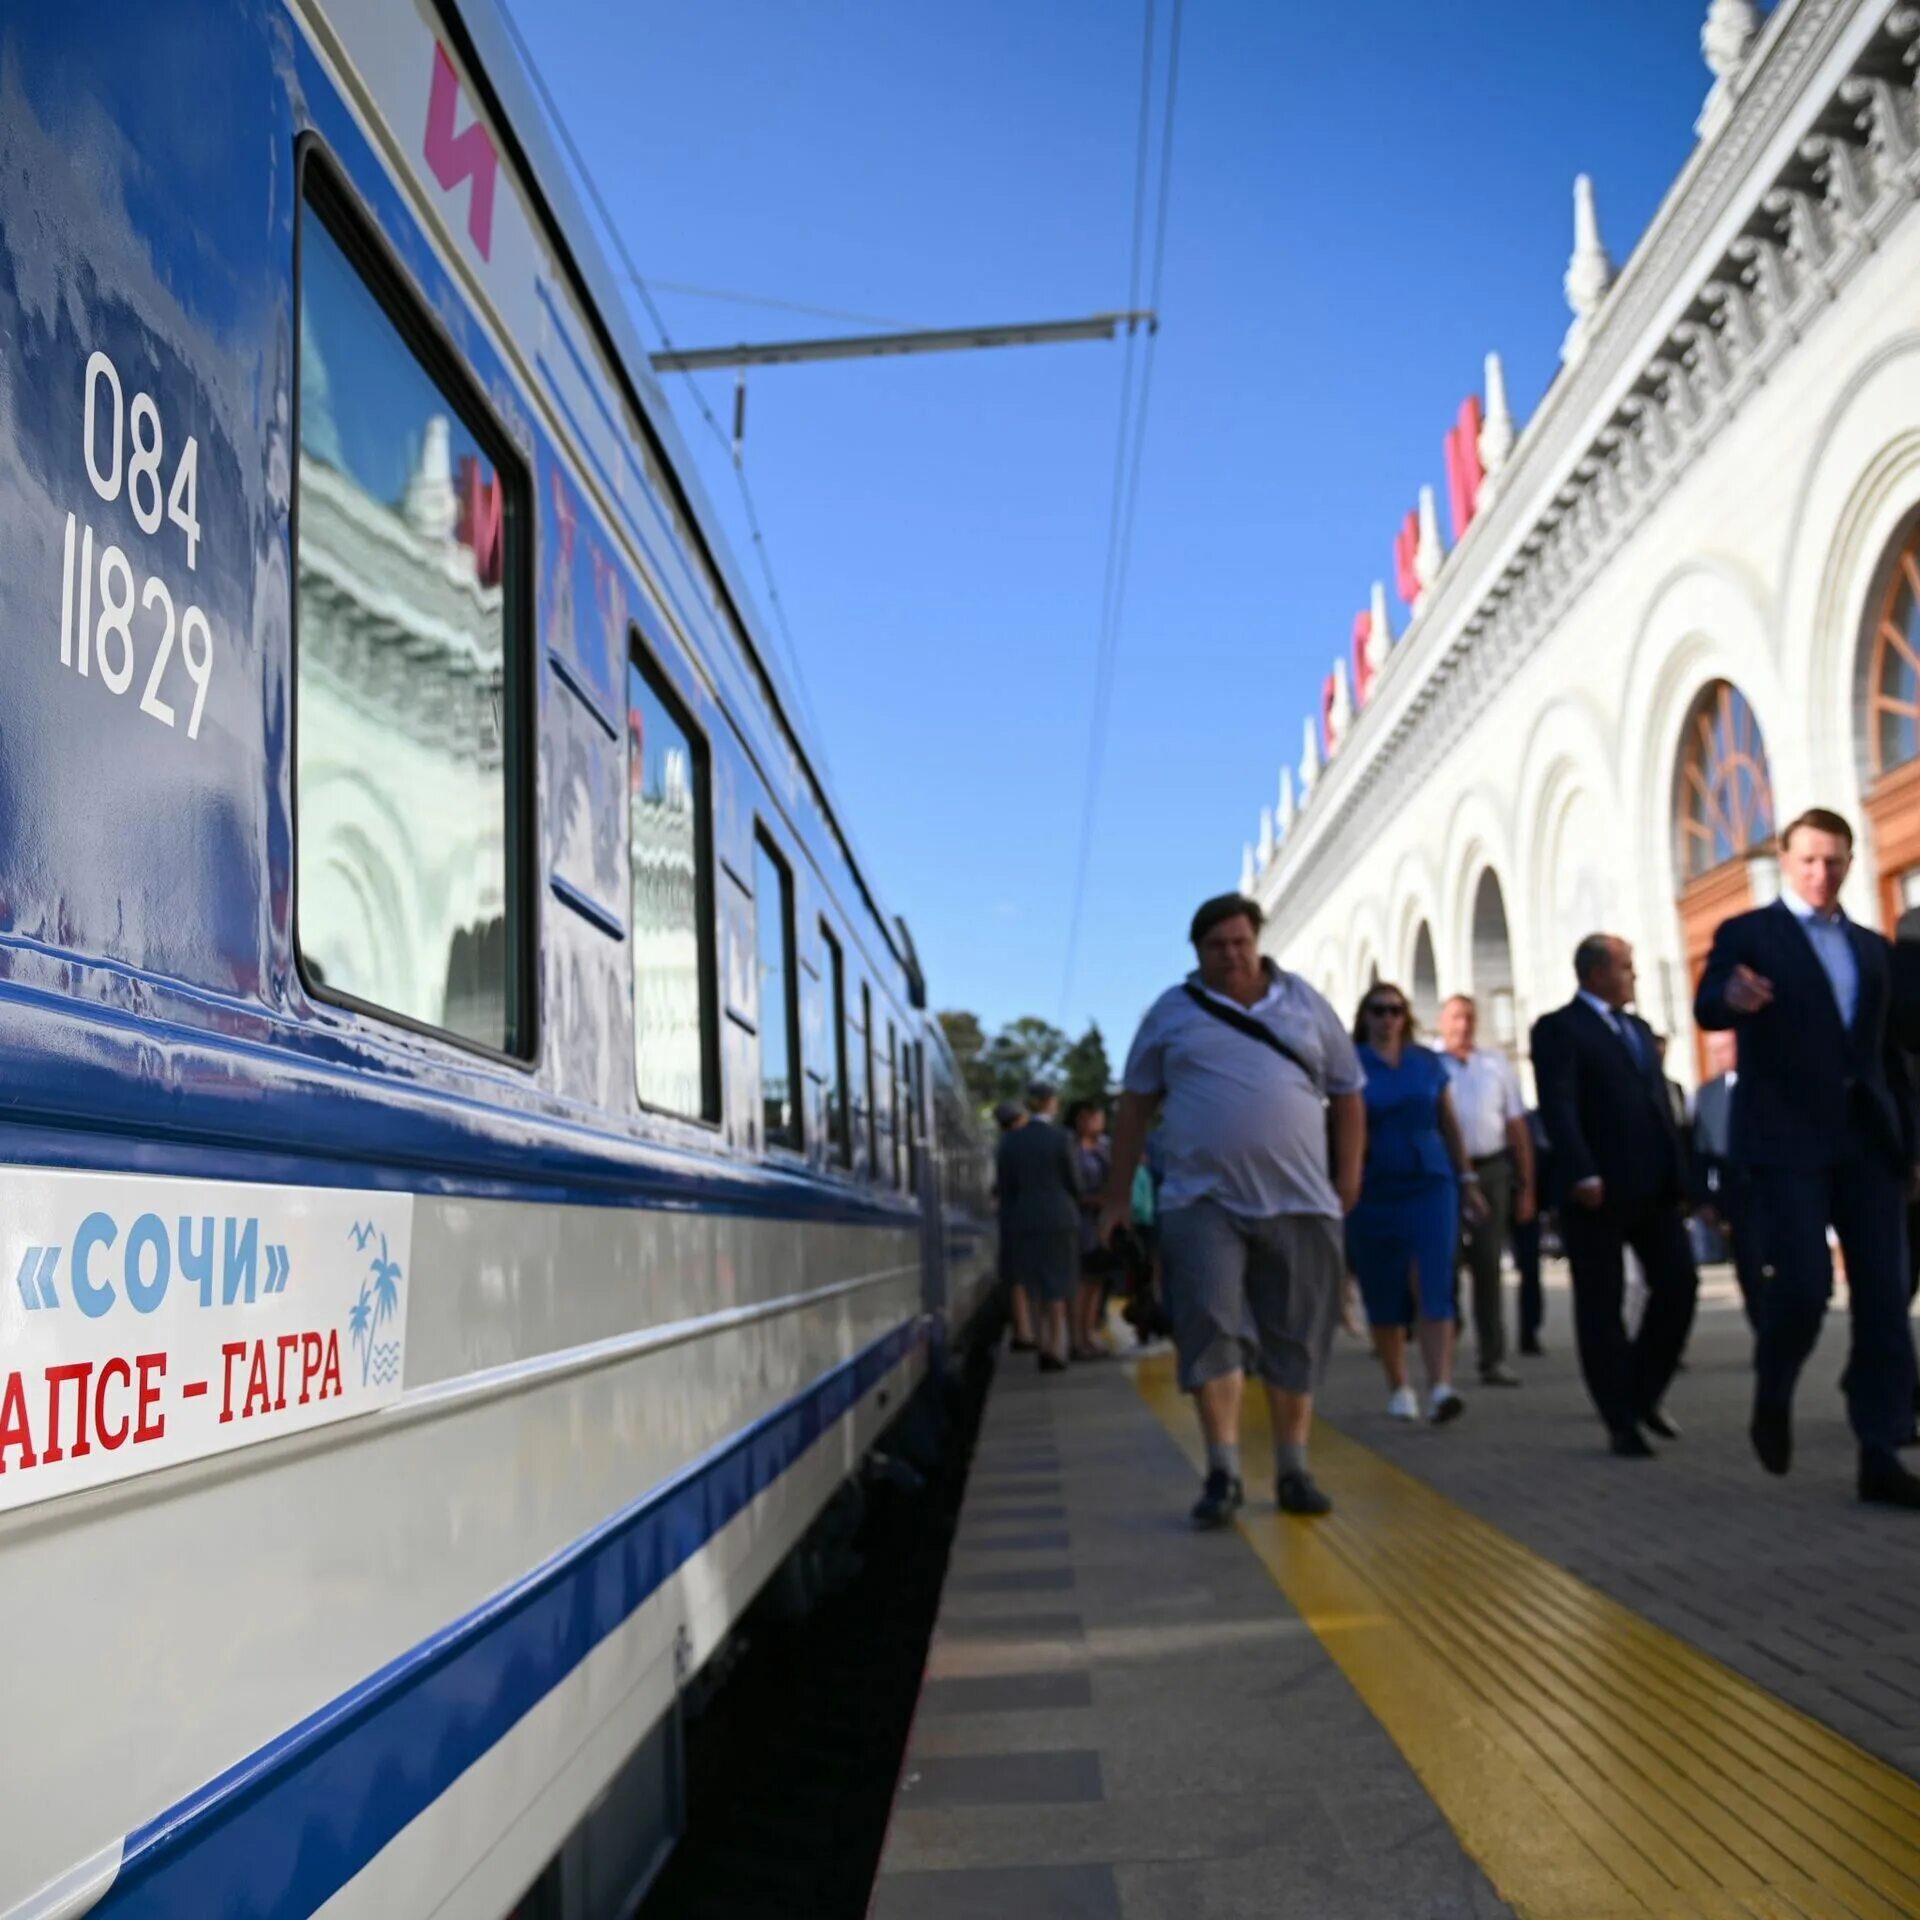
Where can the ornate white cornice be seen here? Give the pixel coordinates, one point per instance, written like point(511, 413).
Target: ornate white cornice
point(1818, 157)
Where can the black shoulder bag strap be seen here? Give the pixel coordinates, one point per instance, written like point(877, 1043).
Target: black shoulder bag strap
point(1252, 1028)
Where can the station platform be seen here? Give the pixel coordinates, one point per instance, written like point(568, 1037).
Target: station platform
point(1509, 1675)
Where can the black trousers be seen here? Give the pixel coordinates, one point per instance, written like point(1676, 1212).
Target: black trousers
point(1627, 1377)
point(1788, 1210)
point(1533, 1296)
point(1746, 1259)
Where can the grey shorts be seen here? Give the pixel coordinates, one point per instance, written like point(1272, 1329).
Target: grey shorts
point(1043, 1265)
point(1251, 1296)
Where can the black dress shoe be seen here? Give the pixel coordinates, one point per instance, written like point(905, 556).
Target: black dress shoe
point(1772, 1436)
point(1297, 1493)
point(1660, 1423)
point(1886, 1483)
point(1531, 1347)
point(1049, 1364)
point(1629, 1443)
point(1219, 1499)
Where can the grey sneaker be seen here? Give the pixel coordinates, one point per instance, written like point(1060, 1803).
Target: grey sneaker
point(1296, 1493)
point(1499, 1375)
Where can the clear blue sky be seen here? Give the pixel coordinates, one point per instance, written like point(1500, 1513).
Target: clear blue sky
point(1365, 199)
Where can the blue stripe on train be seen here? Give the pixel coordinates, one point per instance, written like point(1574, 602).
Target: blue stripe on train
point(285, 1829)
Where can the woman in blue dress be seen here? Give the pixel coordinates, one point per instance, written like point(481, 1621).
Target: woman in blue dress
point(1401, 1238)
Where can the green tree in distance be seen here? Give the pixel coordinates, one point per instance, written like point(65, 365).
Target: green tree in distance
point(1086, 1073)
point(1023, 1051)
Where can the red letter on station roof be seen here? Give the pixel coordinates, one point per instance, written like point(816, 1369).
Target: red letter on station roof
point(1464, 472)
point(1406, 543)
point(464, 156)
point(1362, 672)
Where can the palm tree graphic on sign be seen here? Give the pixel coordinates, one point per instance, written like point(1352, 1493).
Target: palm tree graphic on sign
point(379, 1301)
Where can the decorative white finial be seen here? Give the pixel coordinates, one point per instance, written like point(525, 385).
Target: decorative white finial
point(1726, 39)
point(1287, 806)
point(1379, 630)
point(1340, 713)
point(1429, 555)
point(430, 505)
point(1589, 273)
point(1247, 875)
point(1309, 757)
point(1496, 430)
point(1263, 852)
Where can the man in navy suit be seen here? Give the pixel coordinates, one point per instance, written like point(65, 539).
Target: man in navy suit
point(1619, 1175)
point(1821, 1139)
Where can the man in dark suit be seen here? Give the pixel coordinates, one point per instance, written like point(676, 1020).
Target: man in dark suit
point(1820, 1136)
point(1619, 1182)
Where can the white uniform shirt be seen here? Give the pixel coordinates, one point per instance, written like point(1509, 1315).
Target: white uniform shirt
point(1486, 1095)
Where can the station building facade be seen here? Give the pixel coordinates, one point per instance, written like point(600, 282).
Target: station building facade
point(1686, 600)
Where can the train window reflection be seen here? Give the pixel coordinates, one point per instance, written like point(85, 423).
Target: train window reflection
point(674, 1050)
point(407, 890)
point(779, 1049)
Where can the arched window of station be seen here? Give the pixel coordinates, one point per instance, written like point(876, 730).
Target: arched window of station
point(1723, 827)
point(1892, 657)
point(1426, 982)
point(1493, 966)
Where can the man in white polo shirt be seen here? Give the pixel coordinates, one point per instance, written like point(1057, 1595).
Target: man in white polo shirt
point(1262, 1089)
point(1493, 1120)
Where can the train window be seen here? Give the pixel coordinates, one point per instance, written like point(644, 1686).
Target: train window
point(895, 1113)
point(916, 1093)
point(779, 1028)
point(839, 1120)
point(675, 1048)
point(410, 781)
point(873, 1105)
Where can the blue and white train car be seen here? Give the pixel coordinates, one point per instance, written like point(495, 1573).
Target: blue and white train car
point(475, 1171)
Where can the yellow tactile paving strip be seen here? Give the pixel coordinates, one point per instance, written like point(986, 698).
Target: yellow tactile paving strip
point(1594, 1765)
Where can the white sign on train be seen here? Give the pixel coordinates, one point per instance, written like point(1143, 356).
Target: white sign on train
point(147, 1321)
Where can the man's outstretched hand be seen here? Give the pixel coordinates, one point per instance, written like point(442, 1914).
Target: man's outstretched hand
point(1748, 992)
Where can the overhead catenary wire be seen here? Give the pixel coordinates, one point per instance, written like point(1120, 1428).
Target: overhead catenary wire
point(1129, 451)
point(769, 300)
point(725, 441)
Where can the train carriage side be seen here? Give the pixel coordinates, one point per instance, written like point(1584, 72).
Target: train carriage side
point(465, 1158)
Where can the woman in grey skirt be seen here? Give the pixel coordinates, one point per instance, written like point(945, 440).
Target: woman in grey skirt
point(1039, 1182)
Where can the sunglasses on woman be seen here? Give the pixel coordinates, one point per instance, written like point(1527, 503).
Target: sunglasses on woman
point(1382, 1009)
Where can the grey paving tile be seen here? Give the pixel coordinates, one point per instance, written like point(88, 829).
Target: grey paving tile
point(1300, 1883)
point(1035, 1626)
point(1192, 1827)
point(999, 1893)
point(1011, 1779)
point(1014, 1580)
point(992, 1513)
point(1029, 1730)
point(1007, 1693)
point(1039, 1540)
